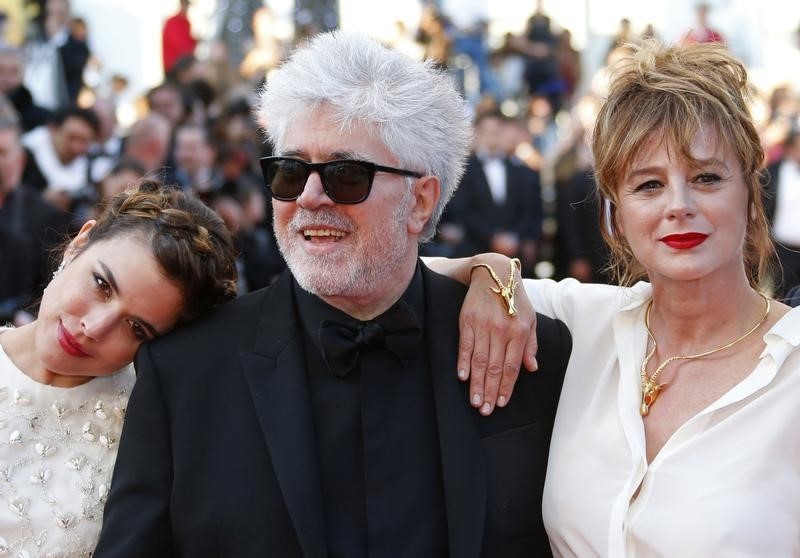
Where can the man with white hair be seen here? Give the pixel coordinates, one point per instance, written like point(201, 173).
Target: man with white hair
point(322, 416)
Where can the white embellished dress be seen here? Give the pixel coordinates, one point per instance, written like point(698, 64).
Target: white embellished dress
point(57, 451)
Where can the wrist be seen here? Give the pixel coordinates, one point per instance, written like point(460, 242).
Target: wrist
point(505, 291)
point(492, 259)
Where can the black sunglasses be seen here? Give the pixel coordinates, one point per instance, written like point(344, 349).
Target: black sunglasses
point(344, 181)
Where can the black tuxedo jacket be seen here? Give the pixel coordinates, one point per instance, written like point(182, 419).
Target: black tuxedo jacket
point(474, 207)
point(578, 234)
point(218, 457)
point(43, 226)
point(793, 297)
point(16, 277)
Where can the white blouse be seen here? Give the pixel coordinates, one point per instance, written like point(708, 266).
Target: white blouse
point(57, 451)
point(726, 484)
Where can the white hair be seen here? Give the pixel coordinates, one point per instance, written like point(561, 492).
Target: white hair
point(412, 107)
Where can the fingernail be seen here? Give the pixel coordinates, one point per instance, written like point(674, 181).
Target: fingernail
point(535, 364)
point(462, 374)
point(486, 409)
point(476, 399)
point(501, 401)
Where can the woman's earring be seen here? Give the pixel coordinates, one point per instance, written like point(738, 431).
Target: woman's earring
point(60, 268)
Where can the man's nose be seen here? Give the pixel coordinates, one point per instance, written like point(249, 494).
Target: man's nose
point(313, 194)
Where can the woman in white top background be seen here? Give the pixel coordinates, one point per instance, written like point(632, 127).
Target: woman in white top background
point(677, 429)
point(154, 259)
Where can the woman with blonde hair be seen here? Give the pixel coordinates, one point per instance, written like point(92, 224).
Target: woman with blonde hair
point(676, 432)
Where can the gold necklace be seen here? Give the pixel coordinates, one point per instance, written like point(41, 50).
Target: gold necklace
point(650, 388)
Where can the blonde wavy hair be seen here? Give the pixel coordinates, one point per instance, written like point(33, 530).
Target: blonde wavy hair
point(671, 92)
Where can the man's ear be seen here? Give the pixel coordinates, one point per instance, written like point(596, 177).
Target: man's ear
point(425, 195)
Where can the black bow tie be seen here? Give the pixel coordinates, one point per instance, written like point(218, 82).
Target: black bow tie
point(397, 330)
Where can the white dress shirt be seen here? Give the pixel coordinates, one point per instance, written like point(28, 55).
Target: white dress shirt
point(726, 484)
point(495, 170)
point(69, 177)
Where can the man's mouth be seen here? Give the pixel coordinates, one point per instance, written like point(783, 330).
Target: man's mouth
point(323, 235)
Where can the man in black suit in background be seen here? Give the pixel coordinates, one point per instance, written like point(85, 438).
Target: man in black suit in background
point(32, 229)
point(782, 202)
point(322, 416)
point(498, 202)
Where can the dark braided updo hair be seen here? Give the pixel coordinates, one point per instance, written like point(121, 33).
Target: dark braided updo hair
point(188, 240)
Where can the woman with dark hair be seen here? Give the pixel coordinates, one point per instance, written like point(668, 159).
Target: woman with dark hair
point(154, 259)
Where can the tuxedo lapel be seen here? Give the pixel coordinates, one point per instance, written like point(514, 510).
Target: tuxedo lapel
point(463, 460)
point(276, 373)
point(513, 181)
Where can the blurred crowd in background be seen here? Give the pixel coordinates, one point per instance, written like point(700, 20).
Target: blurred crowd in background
point(527, 192)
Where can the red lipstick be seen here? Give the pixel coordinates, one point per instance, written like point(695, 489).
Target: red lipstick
point(68, 342)
point(684, 241)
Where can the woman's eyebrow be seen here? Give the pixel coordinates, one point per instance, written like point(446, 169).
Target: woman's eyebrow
point(115, 287)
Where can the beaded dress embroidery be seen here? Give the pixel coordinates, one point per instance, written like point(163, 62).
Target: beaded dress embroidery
point(57, 451)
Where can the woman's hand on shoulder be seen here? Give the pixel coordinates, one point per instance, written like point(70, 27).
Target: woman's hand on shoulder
point(492, 344)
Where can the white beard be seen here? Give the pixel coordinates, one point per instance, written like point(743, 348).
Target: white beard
point(372, 260)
